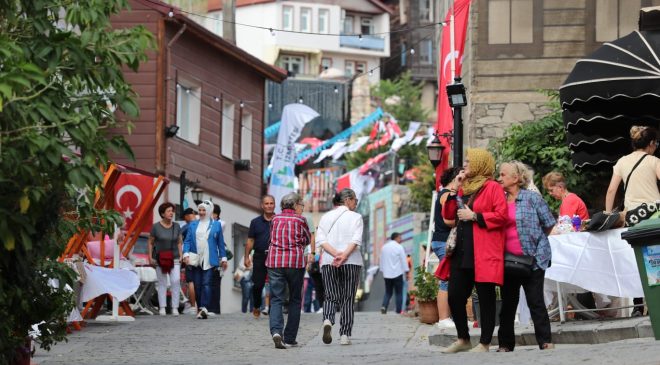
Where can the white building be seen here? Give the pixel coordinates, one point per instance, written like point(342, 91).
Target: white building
point(362, 24)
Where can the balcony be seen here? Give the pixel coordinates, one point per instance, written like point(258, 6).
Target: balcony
point(367, 42)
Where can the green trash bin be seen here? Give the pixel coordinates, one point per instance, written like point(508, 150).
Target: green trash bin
point(645, 240)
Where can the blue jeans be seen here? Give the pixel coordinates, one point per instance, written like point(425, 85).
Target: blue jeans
point(279, 279)
point(202, 280)
point(310, 302)
point(396, 285)
point(246, 291)
point(439, 248)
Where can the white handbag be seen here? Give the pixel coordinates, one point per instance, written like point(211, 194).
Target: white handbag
point(193, 259)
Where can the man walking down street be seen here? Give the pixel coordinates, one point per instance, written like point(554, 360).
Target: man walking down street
point(394, 266)
point(286, 267)
point(259, 239)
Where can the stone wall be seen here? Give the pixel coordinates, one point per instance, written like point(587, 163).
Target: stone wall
point(489, 121)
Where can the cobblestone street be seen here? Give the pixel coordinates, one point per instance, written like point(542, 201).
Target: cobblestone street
point(239, 339)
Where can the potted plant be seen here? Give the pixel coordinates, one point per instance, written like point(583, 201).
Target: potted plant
point(426, 292)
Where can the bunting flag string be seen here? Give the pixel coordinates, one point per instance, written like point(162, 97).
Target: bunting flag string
point(272, 129)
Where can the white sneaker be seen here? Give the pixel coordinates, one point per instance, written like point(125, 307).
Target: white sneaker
point(320, 310)
point(445, 323)
point(327, 332)
point(192, 310)
point(265, 311)
point(343, 340)
point(203, 313)
point(211, 314)
point(175, 312)
point(162, 312)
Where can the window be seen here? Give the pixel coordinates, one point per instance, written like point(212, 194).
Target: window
point(293, 64)
point(348, 25)
point(611, 19)
point(349, 68)
point(324, 21)
point(287, 17)
point(227, 143)
point(360, 67)
point(510, 28)
point(366, 26)
point(246, 136)
point(404, 54)
point(326, 63)
point(188, 109)
point(239, 235)
point(305, 19)
point(425, 11)
point(426, 52)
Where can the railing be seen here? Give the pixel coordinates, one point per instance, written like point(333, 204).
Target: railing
point(365, 42)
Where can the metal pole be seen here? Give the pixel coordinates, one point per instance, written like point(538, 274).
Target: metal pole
point(182, 192)
point(458, 133)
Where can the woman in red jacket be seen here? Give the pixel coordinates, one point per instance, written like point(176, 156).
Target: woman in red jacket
point(478, 258)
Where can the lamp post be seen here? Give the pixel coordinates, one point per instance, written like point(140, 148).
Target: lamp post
point(457, 100)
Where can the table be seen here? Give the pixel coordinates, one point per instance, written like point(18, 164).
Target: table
point(600, 262)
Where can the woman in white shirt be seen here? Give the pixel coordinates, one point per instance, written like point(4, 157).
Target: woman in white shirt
point(339, 233)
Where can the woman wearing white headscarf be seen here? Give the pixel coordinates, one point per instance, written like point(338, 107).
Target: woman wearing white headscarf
point(204, 249)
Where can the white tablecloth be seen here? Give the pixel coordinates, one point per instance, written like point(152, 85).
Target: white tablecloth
point(120, 283)
point(600, 262)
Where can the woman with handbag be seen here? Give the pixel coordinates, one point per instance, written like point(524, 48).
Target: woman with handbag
point(480, 210)
point(164, 248)
point(641, 169)
point(527, 255)
point(204, 249)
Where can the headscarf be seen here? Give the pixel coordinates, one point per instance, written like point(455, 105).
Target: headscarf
point(208, 206)
point(482, 168)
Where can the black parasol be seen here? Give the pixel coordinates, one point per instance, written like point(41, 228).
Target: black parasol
point(615, 87)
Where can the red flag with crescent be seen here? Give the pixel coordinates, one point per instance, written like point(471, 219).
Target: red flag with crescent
point(445, 123)
point(131, 191)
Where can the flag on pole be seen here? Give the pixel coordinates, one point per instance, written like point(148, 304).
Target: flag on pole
point(131, 191)
point(445, 122)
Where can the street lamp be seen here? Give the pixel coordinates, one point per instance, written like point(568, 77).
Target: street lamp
point(435, 149)
point(457, 100)
point(197, 194)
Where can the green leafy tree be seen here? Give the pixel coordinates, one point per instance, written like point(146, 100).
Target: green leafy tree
point(60, 80)
point(542, 145)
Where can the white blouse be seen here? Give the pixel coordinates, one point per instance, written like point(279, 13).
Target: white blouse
point(347, 229)
point(202, 239)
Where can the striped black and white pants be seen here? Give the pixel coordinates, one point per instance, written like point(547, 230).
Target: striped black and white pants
point(341, 284)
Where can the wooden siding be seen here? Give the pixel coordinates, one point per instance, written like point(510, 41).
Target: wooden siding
point(142, 138)
point(231, 81)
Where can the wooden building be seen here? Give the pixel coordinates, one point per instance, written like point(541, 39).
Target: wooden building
point(214, 92)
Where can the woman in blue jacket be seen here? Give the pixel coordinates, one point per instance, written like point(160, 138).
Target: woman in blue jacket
point(204, 250)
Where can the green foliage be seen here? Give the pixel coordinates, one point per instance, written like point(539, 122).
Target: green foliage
point(402, 99)
point(542, 145)
point(426, 285)
point(421, 189)
point(60, 71)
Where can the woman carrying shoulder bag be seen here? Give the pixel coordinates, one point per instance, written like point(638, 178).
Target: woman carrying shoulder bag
point(205, 244)
point(164, 248)
point(527, 244)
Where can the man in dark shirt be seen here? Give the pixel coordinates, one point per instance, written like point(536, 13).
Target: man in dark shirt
point(259, 239)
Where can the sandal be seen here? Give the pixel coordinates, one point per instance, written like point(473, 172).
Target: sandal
point(503, 349)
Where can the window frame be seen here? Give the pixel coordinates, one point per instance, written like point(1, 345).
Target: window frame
point(496, 51)
point(426, 49)
point(352, 23)
point(590, 43)
point(245, 152)
point(309, 24)
point(346, 63)
point(194, 111)
point(370, 25)
point(227, 123)
point(283, 64)
point(323, 59)
point(326, 23)
point(357, 66)
point(291, 18)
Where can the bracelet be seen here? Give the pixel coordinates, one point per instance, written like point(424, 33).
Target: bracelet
point(474, 216)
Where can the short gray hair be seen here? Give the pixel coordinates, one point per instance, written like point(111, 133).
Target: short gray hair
point(290, 200)
point(345, 194)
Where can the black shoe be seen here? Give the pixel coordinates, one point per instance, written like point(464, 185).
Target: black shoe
point(291, 344)
point(277, 339)
point(383, 310)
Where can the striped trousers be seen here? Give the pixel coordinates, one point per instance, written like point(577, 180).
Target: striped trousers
point(340, 283)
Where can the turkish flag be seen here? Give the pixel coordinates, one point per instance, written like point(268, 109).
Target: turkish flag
point(445, 122)
point(131, 191)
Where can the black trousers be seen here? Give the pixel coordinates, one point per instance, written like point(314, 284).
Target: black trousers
point(461, 282)
point(215, 292)
point(533, 287)
point(318, 287)
point(259, 271)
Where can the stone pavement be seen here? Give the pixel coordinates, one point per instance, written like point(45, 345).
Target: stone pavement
point(240, 339)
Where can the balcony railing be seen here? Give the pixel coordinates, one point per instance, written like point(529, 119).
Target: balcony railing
point(366, 42)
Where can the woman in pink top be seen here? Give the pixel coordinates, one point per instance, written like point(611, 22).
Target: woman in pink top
point(571, 204)
point(529, 221)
